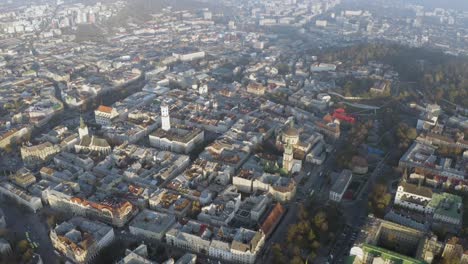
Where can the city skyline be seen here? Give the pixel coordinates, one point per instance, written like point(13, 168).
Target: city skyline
point(249, 132)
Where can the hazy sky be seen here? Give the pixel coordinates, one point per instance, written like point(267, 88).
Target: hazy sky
point(454, 4)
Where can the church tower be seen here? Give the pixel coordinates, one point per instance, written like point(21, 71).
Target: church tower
point(83, 129)
point(405, 175)
point(288, 157)
point(165, 119)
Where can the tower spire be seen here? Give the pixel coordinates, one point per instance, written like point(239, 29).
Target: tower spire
point(82, 123)
point(165, 119)
point(288, 157)
point(405, 175)
point(83, 129)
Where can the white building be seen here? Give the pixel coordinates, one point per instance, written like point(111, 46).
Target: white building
point(189, 56)
point(91, 143)
point(288, 159)
point(429, 117)
point(232, 245)
point(179, 139)
point(203, 89)
point(187, 258)
point(282, 189)
point(322, 67)
point(5, 247)
point(39, 154)
point(137, 256)
point(104, 115)
point(321, 23)
point(81, 239)
point(443, 207)
point(151, 225)
point(21, 196)
point(115, 213)
point(413, 197)
point(341, 185)
point(246, 246)
point(254, 207)
point(192, 236)
point(82, 129)
point(223, 209)
point(12, 135)
point(165, 118)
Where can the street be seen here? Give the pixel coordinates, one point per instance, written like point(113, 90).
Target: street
point(314, 181)
point(356, 212)
point(19, 221)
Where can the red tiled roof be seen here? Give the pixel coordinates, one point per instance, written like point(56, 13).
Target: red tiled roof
point(105, 109)
point(270, 222)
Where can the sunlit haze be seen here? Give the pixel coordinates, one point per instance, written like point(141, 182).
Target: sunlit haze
point(234, 131)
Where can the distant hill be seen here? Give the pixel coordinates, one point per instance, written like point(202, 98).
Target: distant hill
point(139, 11)
point(437, 75)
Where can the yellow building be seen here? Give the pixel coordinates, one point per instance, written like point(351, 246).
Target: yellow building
point(36, 155)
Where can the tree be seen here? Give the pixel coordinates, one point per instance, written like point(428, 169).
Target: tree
point(291, 235)
point(276, 248)
point(296, 251)
point(319, 219)
point(324, 226)
point(411, 133)
point(297, 260)
point(379, 198)
point(267, 167)
point(311, 235)
point(22, 246)
point(276, 167)
point(406, 133)
point(51, 220)
point(277, 251)
point(451, 260)
point(283, 172)
point(315, 244)
point(311, 257)
point(27, 256)
point(302, 213)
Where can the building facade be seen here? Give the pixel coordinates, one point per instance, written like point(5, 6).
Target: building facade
point(81, 239)
point(340, 186)
point(104, 115)
point(39, 154)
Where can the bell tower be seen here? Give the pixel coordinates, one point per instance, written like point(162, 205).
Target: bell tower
point(83, 129)
point(288, 157)
point(165, 119)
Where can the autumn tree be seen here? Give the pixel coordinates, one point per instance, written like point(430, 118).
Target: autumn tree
point(379, 198)
point(22, 246)
point(405, 135)
point(297, 260)
point(278, 254)
point(320, 218)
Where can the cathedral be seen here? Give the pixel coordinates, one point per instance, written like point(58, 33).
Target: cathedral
point(91, 143)
point(289, 139)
